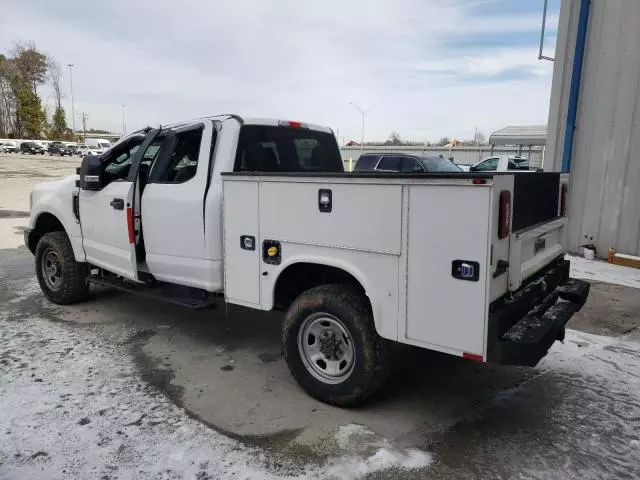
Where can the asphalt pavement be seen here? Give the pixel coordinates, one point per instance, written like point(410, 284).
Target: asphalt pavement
point(218, 377)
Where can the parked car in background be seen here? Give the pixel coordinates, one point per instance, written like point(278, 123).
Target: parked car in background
point(10, 147)
point(503, 163)
point(400, 162)
point(99, 145)
point(59, 148)
point(31, 147)
point(84, 150)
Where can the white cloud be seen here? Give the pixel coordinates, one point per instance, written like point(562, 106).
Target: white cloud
point(492, 63)
point(305, 60)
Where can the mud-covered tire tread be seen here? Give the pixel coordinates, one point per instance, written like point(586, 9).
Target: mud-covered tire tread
point(346, 298)
point(74, 275)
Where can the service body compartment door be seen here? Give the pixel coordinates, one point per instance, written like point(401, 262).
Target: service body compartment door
point(448, 263)
point(241, 246)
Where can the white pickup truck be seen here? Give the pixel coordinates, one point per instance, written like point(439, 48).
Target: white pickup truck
point(261, 211)
point(503, 163)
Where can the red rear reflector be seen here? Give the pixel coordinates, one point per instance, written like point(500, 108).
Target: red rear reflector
point(504, 218)
point(132, 233)
point(295, 124)
point(473, 356)
point(479, 181)
point(563, 199)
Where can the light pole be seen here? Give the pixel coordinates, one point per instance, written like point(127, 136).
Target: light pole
point(73, 115)
point(84, 128)
point(124, 125)
point(362, 112)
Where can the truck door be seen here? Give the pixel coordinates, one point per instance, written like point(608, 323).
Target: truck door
point(107, 216)
point(172, 208)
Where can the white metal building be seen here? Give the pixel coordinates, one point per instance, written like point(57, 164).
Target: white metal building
point(596, 96)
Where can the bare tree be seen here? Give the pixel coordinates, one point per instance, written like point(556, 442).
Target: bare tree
point(55, 78)
point(480, 139)
point(8, 101)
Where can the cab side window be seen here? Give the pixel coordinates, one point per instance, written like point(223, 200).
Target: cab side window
point(178, 157)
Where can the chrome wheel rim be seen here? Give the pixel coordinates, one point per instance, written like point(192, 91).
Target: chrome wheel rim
point(326, 348)
point(51, 269)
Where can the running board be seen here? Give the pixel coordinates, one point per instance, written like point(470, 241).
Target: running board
point(193, 298)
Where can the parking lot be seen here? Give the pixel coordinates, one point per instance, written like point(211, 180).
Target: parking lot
point(123, 387)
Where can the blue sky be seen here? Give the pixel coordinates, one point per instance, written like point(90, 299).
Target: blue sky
point(426, 68)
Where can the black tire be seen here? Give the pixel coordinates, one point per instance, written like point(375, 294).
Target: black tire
point(73, 284)
point(372, 357)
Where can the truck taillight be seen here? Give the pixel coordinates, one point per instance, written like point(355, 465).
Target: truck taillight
point(287, 123)
point(504, 218)
point(564, 197)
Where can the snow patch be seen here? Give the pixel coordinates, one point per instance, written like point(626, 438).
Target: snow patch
point(347, 432)
point(26, 290)
point(384, 458)
point(369, 453)
point(576, 344)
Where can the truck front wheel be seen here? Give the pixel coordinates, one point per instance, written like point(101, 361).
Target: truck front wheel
point(61, 278)
point(331, 346)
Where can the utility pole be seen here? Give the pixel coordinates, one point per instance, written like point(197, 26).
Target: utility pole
point(475, 137)
point(73, 115)
point(124, 125)
point(84, 127)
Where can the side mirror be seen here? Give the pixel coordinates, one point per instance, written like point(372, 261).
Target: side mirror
point(91, 172)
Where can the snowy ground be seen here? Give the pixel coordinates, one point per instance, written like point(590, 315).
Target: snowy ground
point(76, 403)
point(73, 405)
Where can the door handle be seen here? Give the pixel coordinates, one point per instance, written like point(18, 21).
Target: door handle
point(117, 203)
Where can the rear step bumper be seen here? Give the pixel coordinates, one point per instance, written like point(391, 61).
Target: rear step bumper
point(523, 328)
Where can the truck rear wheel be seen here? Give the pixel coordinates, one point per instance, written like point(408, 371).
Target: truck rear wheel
point(331, 346)
point(61, 278)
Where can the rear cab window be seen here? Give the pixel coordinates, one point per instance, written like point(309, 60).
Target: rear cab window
point(263, 148)
point(518, 164)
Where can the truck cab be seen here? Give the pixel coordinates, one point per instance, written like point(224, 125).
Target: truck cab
point(261, 212)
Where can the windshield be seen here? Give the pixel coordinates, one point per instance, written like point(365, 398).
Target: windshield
point(104, 144)
point(439, 165)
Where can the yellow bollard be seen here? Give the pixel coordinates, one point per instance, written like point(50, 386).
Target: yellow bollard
point(350, 164)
